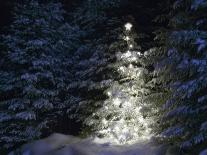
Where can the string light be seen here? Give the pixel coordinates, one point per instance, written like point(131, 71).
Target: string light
point(104, 121)
point(122, 68)
point(128, 54)
point(127, 125)
point(126, 38)
point(139, 53)
point(117, 101)
point(109, 93)
point(133, 59)
point(131, 46)
point(126, 104)
point(106, 107)
point(131, 66)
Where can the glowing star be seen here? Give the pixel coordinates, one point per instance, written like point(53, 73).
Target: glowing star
point(128, 26)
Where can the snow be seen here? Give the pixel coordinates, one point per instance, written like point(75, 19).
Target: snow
point(204, 152)
point(58, 144)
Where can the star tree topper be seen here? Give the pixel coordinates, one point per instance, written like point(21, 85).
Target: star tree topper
point(128, 26)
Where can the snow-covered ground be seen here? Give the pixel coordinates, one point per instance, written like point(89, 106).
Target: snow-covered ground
point(58, 144)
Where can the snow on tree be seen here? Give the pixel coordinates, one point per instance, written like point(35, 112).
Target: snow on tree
point(182, 70)
point(86, 90)
point(119, 119)
point(100, 67)
point(35, 71)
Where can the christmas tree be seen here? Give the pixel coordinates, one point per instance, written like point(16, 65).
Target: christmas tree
point(120, 120)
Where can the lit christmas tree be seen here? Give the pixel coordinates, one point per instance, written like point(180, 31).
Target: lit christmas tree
point(121, 120)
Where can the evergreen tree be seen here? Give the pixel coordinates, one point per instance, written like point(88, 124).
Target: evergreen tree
point(97, 71)
point(120, 119)
point(158, 91)
point(182, 71)
point(87, 87)
point(34, 71)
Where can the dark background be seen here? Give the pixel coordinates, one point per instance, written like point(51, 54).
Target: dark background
point(143, 11)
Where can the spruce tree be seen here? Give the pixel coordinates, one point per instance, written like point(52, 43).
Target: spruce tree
point(182, 70)
point(89, 68)
point(120, 119)
point(34, 71)
point(97, 72)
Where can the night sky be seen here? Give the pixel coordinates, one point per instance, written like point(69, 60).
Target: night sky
point(136, 8)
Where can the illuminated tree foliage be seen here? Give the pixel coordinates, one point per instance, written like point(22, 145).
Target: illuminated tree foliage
point(120, 119)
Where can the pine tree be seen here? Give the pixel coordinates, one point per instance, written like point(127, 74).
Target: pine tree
point(35, 71)
point(96, 70)
point(87, 87)
point(155, 62)
point(120, 119)
point(182, 70)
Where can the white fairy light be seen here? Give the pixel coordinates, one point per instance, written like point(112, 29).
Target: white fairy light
point(127, 125)
point(128, 54)
point(141, 119)
point(131, 46)
point(133, 58)
point(109, 93)
point(122, 68)
point(128, 26)
point(106, 107)
point(138, 73)
point(131, 66)
point(104, 121)
point(127, 104)
point(127, 38)
point(103, 131)
point(139, 53)
point(117, 101)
